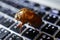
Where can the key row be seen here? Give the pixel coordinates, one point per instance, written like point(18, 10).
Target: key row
point(6, 21)
point(7, 9)
point(17, 29)
point(34, 6)
point(28, 4)
point(47, 28)
point(4, 33)
point(30, 31)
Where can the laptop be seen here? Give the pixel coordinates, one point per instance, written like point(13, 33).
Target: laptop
point(49, 29)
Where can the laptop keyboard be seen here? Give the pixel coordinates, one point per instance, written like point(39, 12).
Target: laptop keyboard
point(49, 30)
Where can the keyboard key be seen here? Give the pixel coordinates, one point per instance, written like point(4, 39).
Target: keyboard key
point(7, 22)
point(26, 1)
point(30, 33)
point(24, 27)
point(15, 28)
point(36, 4)
point(3, 33)
point(44, 37)
point(58, 35)
point(47, 8)
point(50, 29)
point(14, 37)
point(58, 23)
point(59, 12)
point(51, 18)
point(41, 14)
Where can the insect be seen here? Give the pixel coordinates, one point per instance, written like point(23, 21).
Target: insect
point(26, 15)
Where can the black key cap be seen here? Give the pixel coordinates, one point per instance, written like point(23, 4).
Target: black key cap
point(59, 12)
point(41, 14)
point(58, 35)
point(50, 29)
point(58, 23)
point(24, 27)
point(47, 8)
point(44, 37)
point(26, 1)
point(14, 37)
point(3, 33)
point(15, 28)
point(30, 33)
point(7, 22)
point(36, 4)
point(51, 18)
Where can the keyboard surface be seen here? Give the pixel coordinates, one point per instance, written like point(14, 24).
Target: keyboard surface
point(50, 26)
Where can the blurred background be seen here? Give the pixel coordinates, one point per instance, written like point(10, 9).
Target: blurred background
point(51, 3)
